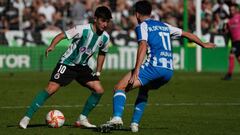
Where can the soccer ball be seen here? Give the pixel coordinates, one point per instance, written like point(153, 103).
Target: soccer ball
point(55, 119)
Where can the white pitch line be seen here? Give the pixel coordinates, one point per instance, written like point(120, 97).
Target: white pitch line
point(109, 105)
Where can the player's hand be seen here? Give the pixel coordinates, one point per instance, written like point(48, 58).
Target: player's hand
point(134, 76)
point(209, 45)
point(49, 49)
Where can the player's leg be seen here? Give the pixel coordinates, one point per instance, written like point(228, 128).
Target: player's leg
point(37, 102)
point(57, 80)
point(139, 108)
point(89, 80)
point(41, 97)
point(119, 97)
point(94, 98)
point(158, 77)
point(228, 76)
point(234, 52)
point(237, 52)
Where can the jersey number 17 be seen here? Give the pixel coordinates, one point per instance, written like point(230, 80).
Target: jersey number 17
point(167, 47)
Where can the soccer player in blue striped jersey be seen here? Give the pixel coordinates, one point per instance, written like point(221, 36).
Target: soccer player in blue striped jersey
point(73, 65)
point(154, 40)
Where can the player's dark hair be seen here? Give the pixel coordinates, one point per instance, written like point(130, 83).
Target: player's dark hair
point(143, 7)
point(234, 5)
point(103, 12)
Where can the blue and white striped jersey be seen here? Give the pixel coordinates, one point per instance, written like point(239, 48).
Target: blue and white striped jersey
point(158, 34)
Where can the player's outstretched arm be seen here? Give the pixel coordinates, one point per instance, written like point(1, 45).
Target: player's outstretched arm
point(54, 42)
point(195, 39)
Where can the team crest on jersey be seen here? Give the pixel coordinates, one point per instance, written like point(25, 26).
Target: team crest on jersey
point(57, 76)
point(100, 44)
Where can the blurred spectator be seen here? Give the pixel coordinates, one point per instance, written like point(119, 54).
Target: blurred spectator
point(191, 15)
point(3, 24)
point(12, 15)
point(2, 6)
point(120, 15)
point(63, 6)
point(3, 28)
point(61, 14)
point(28, 3)
point(47, 9)
point(19, 5)
point(222, 9)
point(156, 12)
point(206, 9)
point(218, 24)
point(236, 2)
point(58, 21)
point(78, 12)
point(206, 26)
point(40, 23)
point(28, 19)
point(105, 3)
point(36, 4)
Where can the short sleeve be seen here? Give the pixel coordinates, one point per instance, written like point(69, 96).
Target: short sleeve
point(142, 32)
point(106, 43)
point(76, 31)
point(174, 31)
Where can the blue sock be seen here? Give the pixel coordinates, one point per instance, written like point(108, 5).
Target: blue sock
point(119, 100)
point(140, 104)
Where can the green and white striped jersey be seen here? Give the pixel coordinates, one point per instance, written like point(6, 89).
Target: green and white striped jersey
point(84, 44)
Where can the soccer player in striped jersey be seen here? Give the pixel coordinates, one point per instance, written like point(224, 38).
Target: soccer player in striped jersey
point(73, 65)
point(154, 39)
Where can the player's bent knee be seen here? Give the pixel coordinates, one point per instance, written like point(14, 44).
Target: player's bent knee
point(52, 88)
point(120, 87)
point(99, 91)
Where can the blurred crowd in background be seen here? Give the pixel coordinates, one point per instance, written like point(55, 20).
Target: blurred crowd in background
point(38, 15)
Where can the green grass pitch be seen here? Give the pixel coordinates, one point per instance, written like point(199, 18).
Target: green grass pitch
point(190, 104)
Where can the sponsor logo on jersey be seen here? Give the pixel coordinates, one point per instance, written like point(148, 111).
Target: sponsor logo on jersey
point(86, 50)
point(82, 49)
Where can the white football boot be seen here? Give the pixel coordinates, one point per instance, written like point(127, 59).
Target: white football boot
point(134, 127)
point(24, 122)
point(82, 121)
point(116, 123)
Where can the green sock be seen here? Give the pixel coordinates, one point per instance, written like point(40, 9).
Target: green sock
point(38, 101)
point(92, 101)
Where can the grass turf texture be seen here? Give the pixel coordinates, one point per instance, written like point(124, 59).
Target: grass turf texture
point(190, 104)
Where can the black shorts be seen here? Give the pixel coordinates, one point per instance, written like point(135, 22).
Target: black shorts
point(64, 74)
point(236, 48)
